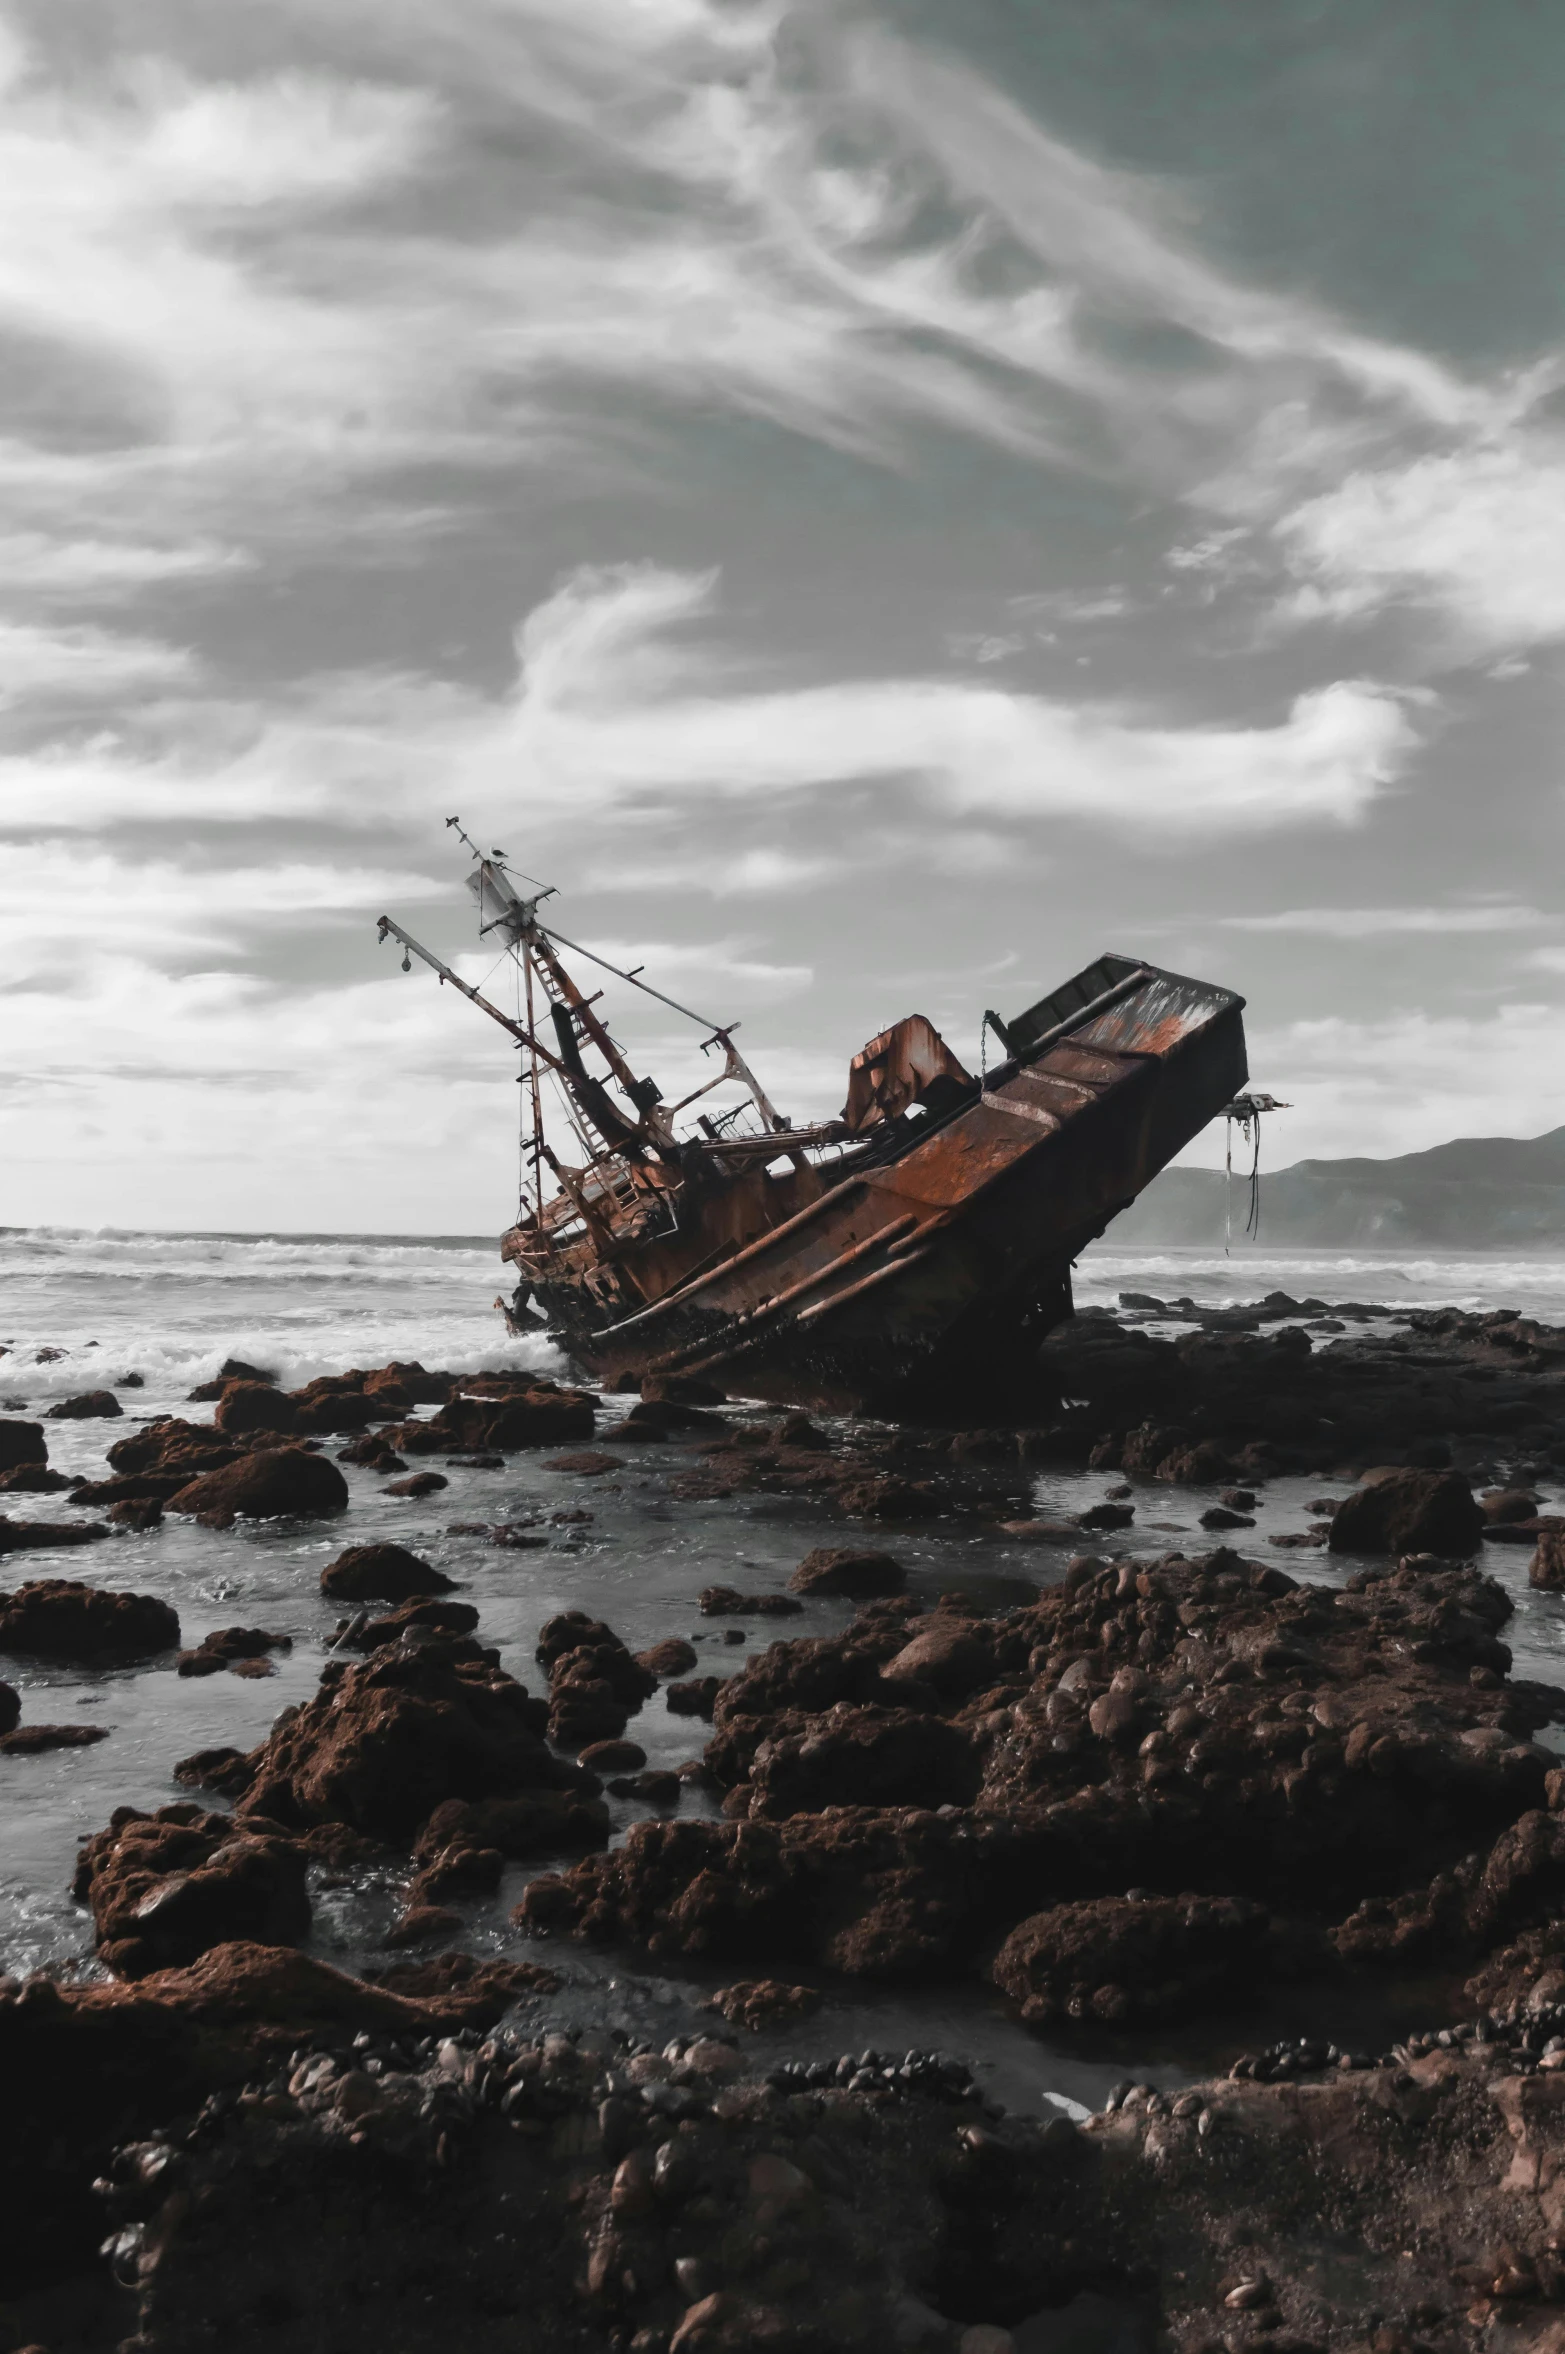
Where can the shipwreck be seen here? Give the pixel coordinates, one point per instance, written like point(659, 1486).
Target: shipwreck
point(915, 1248)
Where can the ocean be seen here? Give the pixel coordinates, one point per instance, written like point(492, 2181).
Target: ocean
point(170, 1308)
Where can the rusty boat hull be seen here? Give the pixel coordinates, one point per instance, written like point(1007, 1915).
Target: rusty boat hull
point(922, 1269)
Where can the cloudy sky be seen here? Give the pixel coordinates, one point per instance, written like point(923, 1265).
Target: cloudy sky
point(876, 504)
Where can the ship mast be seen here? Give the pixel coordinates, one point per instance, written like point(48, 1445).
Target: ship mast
point(633, 1159)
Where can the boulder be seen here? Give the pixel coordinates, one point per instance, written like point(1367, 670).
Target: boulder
point(948, 1654)
point(1403, 1510)
point(169, 1444)
point(11, 1711)
point(728, 1602)
point(672, 1657)
point(1502, 1505)
point(56, 1618)
point(1547, 1566)
point(34, 1740)
point(409, 1384)
point(166, 1887)
point(843, 1569)
point(696, 1698)
point(32, 1479)
point(614, 1757)
point(277, 1483)
point(370, 1453)
point(231, 1647)
point(90, 1406)
point(139, 1513)
point(540, 1822)
point(47, 1536)
point(412, 1621)
point(22, 1442)
point(1113, 1958)
point(538, 1417)
point(1203, 1465)
point(865, 1756)
point(594, 1683)
point(381, 1573)
point(418, 1483)
point(386, 1741)
point(254, 1405)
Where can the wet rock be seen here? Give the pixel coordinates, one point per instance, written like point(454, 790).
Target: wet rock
point(387, 1741)
point(662, 1418)
point(1507, 1504)
point(226, 1646)
point(1547, 1566)
point(226, 1770)
point(684, 1389)
point(1221, 1516)
point(32, 1479)
point(420, 1923)
point(336, 1404)
point(22, 1442)
point(133, 1487)
point(656, 1787)
point(136, 1513)
point(888, 1498)
point(1099, 1516)
point(245, 1406)
point(231, 1369)
point(90, 1406)
point(1203, 1465)
point(539, 1822)
point(166, 1887)
point(695, 1698)
point(1408, 1511)
point(759, 2003)
point(34, 1740)
point(57, 1618)
point(949, 1656)
point(381, 1573)
point(862, 1757)
point(1112, 1959)
point(410, 1620)
point(167, 1444)
point(411, 1381)
point(672, 1657)
point(588, 1466)
point(370, 1453)
point(535, 1415)
point(421, 1483)
point(1207, 1719)
point(594, 1683)
point(46, 1536)
point(613, 1757)
point(843, 1570)
point(728, 1602)
point(278, 1483)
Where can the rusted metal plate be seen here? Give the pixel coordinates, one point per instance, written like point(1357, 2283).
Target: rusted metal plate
point(1162, 1012)
point(976, 1147)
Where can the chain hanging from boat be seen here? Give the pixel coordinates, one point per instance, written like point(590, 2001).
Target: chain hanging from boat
point(1245, 1113)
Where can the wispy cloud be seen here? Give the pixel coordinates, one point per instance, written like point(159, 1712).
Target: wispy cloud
point(614, 706)
point(1374, 923)
point(1477, 533)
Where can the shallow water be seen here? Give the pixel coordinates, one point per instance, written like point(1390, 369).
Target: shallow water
point(172, 1308)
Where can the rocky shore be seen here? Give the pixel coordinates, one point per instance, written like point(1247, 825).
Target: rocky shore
point(1162, 1782)
point(287, 2158)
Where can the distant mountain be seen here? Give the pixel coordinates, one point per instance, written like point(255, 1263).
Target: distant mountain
point(1476, 1193)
